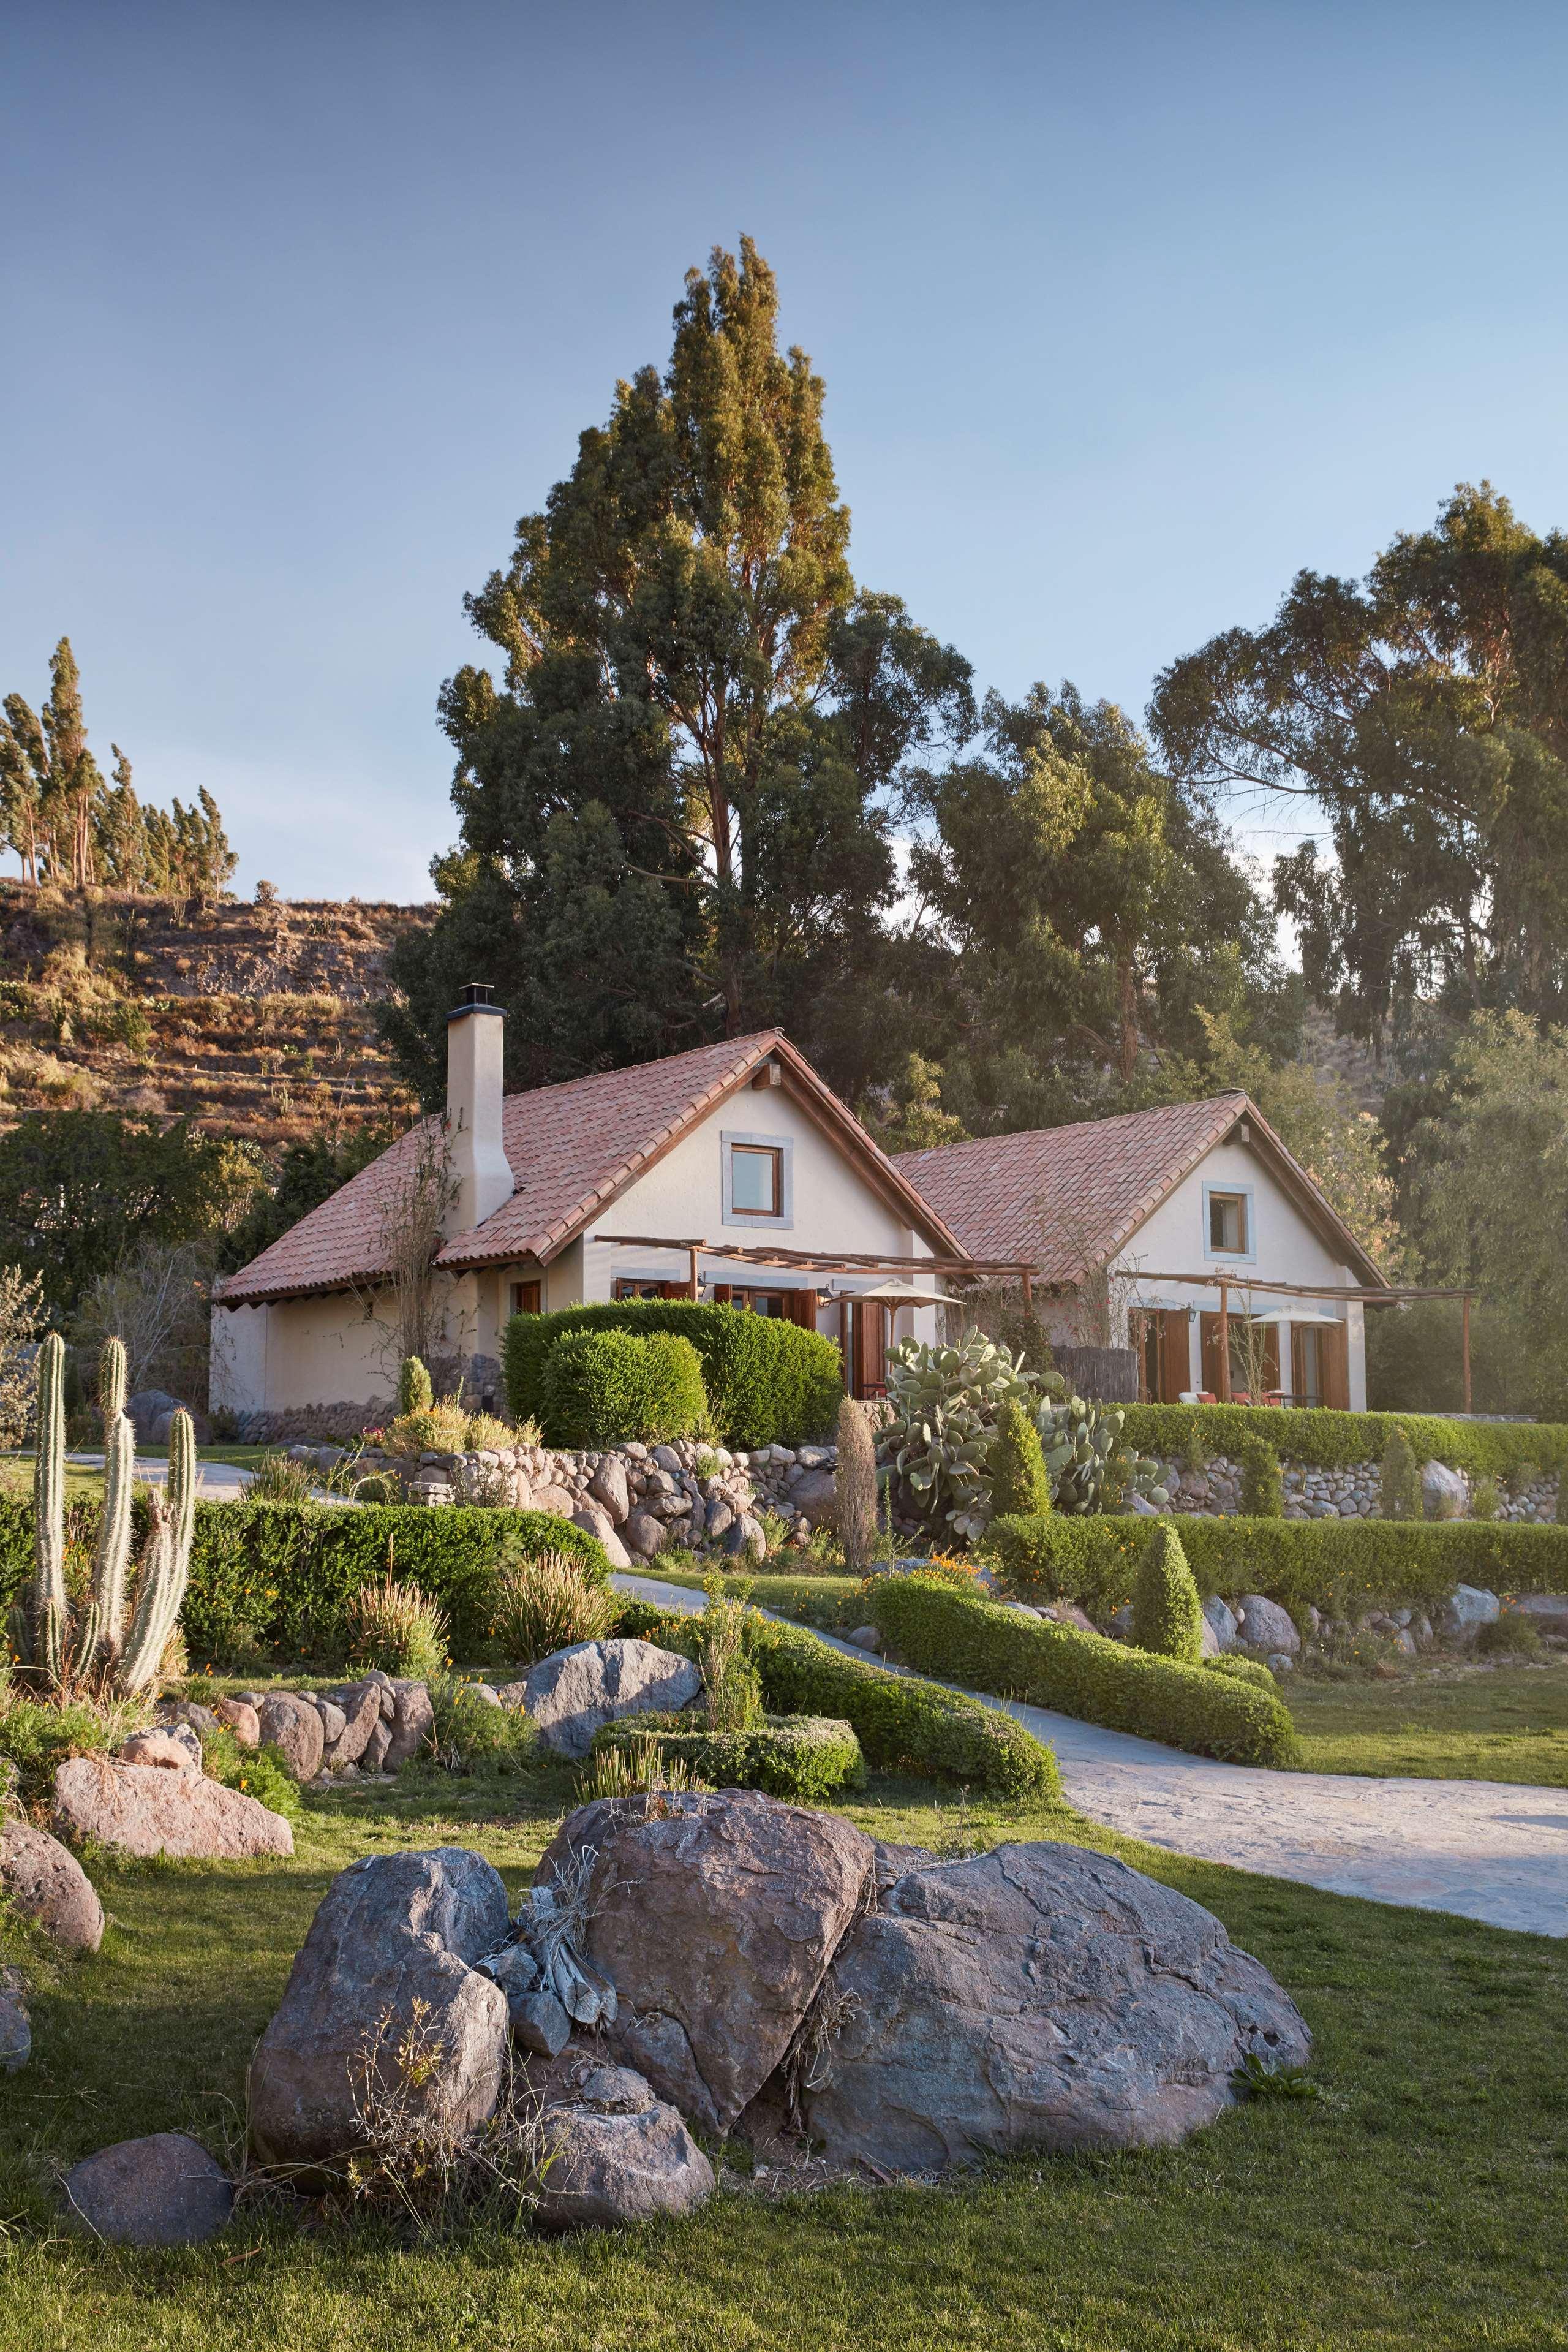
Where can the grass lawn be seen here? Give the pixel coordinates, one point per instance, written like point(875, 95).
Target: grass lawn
point(1507, 1724)
point(1418, 2203)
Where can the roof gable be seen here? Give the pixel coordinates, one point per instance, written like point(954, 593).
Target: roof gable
point(573, 1148)
point(1069, 1197)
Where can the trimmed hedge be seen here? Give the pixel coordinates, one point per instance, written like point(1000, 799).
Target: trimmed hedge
point(900, 1721)
point(1335, 1440)
point(285, 1570)
point(768, 1382)
point(1085, 1675)
point(1340, 1565)
point(802, 1757)
point(599, 1388)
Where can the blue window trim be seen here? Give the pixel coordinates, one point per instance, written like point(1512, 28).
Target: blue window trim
point(784, 1146)
point(1249, 1257)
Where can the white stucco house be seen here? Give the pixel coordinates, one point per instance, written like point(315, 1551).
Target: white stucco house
point(732, 1172)
point(1152, 1225)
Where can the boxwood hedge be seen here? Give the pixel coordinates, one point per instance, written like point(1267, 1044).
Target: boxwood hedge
point(802, 1757)
point(1335, 1440)
point(1340, 1565)
point(768, 1382)
point(943, 1631)
point(282, 1572)
point(599, 1386)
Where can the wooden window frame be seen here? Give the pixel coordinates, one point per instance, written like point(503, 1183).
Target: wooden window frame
point(527, 1297)
point(780, 1218)
point(774, 1157)
point(1216, 1196)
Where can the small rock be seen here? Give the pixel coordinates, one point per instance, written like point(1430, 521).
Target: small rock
point(608, 1486)
point(378, 1747)
point(1220, 1619)
point(538, 2022)
point(412, 1725)
point(812, 1496)
point(644, 1534)
point(334, 1722)
point(559, 1501)
point(616, 2155)
point(158, 1749)
point(162, 2191)
point(1280, 1662)
point(239, 1717)
point(866, 1637)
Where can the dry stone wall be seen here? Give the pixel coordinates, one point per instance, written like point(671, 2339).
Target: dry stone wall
point(639, 1500)
point(1215, 1493)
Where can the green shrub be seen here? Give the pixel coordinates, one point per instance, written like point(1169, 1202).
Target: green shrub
point(768, 1382)
point(991, 1648)
point(1168, 1615)
point(1329, 1440)
point(259, 1772)
point(36, 1736)
point(1400, 1479)
point(1262, 1483)
point(280, 1576)
point(1342, 1567)
point(1486, 1501)
point(397, 1628)
point(901, 1722)
point(547, 1603)
point(1511, 1635)
point(1242, 1670)
point(802, 1757)
point(601, 1388)
point(415, 1392)
point(1016, 1465)
point(470, 1735)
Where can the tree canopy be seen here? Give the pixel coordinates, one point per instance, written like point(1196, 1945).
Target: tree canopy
point(1425, 710)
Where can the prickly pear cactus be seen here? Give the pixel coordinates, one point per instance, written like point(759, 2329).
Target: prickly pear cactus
point(944, 1403)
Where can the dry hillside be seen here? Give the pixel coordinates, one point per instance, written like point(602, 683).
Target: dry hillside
point(255, 1020)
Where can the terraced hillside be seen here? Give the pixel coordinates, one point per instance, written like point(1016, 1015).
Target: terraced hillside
point(255, 1020)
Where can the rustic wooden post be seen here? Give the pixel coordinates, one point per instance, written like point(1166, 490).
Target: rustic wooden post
point(691, 1279)
point(1466, 1326)
point(1225, 1343)
point(1028, 1292)
point(844, 1342)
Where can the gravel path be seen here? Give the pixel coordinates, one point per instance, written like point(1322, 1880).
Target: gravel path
point(1485, 1849)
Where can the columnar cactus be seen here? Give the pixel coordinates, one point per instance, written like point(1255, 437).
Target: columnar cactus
point(165, 1562)
point(39, 1624)
point(111, 1561)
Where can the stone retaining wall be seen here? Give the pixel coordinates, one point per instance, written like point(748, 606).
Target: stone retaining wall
point(637, 1499)
point(1313, 1494)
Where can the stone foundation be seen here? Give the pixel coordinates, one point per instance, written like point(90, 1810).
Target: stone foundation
point(1312, 1494)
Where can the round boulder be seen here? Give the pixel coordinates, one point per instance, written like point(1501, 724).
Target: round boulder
point(614, 2154)
point(165, 2190)
point(47, 1883)
point(572, 1693)
point(292, 1725)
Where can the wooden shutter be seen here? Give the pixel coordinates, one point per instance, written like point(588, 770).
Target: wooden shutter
point(801, 1307)
point(1336, 1366)
point(724, 1293)
point(871, 1350)
point(1175, 1366)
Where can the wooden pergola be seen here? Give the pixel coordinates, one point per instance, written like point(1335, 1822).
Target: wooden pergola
point(1379, 1296)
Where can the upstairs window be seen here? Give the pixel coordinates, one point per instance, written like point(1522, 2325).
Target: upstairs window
point(524, 1297)
point(754, 1177)
point(1228, 1224)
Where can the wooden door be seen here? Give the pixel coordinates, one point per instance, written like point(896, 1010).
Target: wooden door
point(1209, 1329)
point(1175, 1355)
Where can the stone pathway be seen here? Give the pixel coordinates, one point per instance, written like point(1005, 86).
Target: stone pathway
point(1485, 1849)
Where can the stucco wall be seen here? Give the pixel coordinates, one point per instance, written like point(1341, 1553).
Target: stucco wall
point(1285, 1248)
point(325, 1350)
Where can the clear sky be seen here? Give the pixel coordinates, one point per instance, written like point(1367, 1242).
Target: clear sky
point(1125, 312)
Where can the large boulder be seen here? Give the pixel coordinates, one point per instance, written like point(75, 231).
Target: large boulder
point(361, 1711)
point(595, 1521)
point(715, 1918)
point(610, 1490)
point(1445, 1493)
point(645, 1535)
point(559, 1501)
point(1038, 1996)
point(165, 2191)
point(1467, 1608)
point(142, 1809)
point(813, 1497)
point(146, 1409)
point(49, 1885)
point(292, 1725)
point(572, 1693)
point(1547, 1612)
point(613, 2154)
point(1266, 1626)
point(1223, 1632)
point(389, 1952)
point(412, 1723)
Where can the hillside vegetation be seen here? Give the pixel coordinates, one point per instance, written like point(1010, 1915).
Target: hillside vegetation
point(256, 1021)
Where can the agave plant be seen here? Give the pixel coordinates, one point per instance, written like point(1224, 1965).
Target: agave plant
point(945, 1401)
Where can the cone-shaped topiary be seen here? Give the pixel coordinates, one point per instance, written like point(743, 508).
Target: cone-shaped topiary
point(854, 1487)
point(1016, 1465)
point(1168, 1615)
point(1262, 1485)
point(1399, 1496)
point(415, 1392)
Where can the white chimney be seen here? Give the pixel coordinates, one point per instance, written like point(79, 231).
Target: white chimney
point(475, 1035)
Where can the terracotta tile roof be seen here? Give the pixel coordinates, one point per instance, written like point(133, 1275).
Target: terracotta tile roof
point(572, 1148)
point(1068, 1197)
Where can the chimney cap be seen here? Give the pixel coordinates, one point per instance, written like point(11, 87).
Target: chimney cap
point(475, 996)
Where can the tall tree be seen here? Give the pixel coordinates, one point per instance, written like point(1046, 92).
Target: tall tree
point(1076, 917)
point(675, 806)
point(1425, 710)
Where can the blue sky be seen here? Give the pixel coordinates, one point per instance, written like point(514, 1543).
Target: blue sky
point(1125, 312)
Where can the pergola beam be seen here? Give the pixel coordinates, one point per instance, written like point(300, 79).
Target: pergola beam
point(825, 1261)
